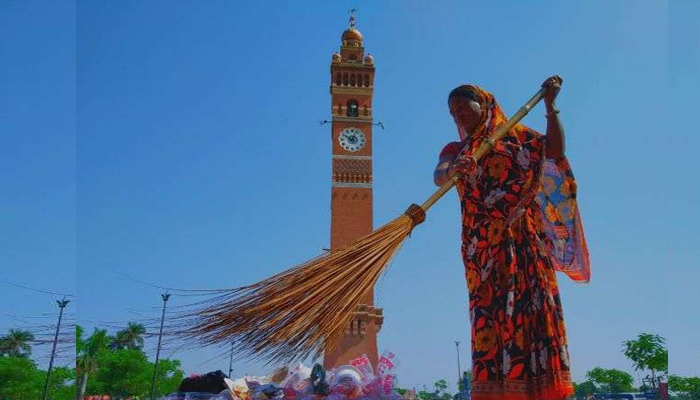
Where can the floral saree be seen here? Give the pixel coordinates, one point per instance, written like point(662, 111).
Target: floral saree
point(520, 224)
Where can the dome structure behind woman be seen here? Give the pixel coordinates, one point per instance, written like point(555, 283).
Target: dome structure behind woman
point(352, 37)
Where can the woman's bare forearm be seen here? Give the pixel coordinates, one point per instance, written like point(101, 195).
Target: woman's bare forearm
point(555, 133)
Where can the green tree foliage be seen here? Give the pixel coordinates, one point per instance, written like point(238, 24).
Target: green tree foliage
point(116, 366)
point(121, 374)
point(168, 376)
point(439, 393)
point(61, 383)
point(466, 377)
point(21, 380)
point(685, 388)
point(648, 351)
point(129, 338)
point(584, 389)
point(128, 373)
point(88, 352)
point(79, 341)
point(611, 380)
point(17, 343)
point(121, 371)
point(425, 394)
point(440, 386)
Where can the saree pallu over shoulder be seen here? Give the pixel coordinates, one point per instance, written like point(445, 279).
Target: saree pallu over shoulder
point(561, 229)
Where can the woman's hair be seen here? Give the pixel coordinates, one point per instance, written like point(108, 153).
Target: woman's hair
point(467, 92)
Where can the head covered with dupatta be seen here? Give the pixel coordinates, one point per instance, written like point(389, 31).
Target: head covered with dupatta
point(477, 116)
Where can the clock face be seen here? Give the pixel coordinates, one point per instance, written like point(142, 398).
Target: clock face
point(352, 139)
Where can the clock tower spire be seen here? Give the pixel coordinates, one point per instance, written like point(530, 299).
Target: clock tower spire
point(352, 87)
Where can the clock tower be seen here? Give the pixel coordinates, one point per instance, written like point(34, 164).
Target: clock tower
point(352, 87)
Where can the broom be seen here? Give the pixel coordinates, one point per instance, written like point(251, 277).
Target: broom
point(304, 310)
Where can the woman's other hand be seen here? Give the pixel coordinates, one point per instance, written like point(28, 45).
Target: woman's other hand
point(463, 164)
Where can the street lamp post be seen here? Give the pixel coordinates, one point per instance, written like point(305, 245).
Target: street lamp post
point(459, 371)
point(61, 304)
point(165, 298)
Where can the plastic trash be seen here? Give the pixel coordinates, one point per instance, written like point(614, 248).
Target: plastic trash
point(359, 380)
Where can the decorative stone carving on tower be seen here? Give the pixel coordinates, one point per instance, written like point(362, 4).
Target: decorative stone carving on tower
point(352, 87)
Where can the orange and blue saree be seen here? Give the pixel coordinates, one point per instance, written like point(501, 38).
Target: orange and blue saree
point(520, 224)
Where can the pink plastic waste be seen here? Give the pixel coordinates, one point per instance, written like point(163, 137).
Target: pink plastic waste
point(356, 381)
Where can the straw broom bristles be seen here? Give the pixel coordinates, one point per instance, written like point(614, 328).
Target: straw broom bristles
point(303, 310)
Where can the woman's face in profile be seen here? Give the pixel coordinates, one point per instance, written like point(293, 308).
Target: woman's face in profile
point(466, 114)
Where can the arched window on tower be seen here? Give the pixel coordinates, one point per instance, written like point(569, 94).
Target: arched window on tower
point(337, 79)
point(345, 79)
point(352, 80)
point(366, 80)
point(353, 110)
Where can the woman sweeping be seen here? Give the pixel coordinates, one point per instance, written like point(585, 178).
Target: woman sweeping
point(520, 224)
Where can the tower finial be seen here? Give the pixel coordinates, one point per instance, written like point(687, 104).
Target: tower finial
point(352, 12)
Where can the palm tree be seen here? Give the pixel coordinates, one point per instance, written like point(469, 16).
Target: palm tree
point(129, 338)
point(16, 343)
point(88, 354)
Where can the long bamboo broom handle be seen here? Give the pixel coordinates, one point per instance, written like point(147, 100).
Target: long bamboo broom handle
point(486, 146)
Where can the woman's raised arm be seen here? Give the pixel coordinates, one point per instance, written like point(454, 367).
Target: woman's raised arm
point(555, 130)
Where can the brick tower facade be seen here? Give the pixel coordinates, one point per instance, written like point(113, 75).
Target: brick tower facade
point(352, 87)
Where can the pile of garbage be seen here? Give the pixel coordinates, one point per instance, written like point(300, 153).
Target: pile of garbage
point(358, 380)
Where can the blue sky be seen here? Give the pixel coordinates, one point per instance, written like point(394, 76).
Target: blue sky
point(178, 142)
point(37, 166)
